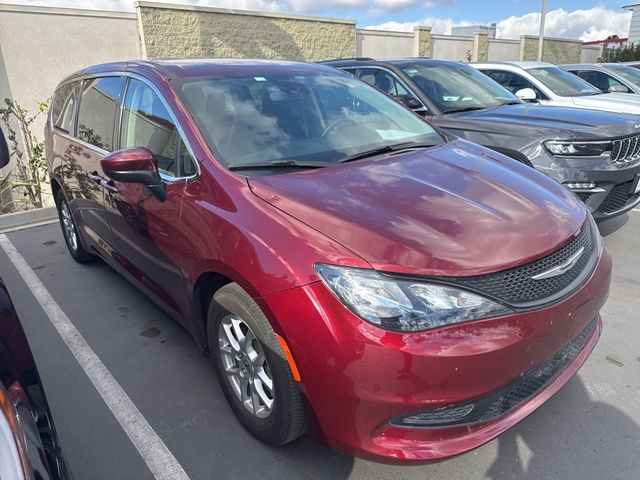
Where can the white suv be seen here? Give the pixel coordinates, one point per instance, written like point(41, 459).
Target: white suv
point(550, 85)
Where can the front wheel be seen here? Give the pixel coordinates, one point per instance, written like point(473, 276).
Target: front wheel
point(70, 231)
point(252, 368)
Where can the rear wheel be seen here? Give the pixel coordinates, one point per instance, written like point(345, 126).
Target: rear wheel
point(70, 231)
point(252, 368)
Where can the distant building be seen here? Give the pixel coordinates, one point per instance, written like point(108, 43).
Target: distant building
point(473, 29)
point(609, 42)
point(634, 29)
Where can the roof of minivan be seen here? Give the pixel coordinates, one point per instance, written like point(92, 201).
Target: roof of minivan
point(195, 67)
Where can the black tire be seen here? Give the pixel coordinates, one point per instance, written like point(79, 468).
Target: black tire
point(286, 421)
point(76, 249)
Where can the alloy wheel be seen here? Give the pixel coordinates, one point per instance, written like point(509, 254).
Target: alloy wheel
point(68, 226)
point(246, 367)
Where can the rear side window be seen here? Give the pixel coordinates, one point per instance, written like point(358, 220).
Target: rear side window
point(64, 107)
point(98, 108)
point(600, 80)
point(146, 122)
point(513, 82)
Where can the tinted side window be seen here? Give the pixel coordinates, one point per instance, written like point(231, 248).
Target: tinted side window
point(146, 122)
point(513, 82)
point(599, 80)
point(385, 81)
point(98, 108)
point(64, 107)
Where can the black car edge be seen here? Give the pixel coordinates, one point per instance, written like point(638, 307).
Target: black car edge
point(28, 429)
point(29, 446)
point(595, 154)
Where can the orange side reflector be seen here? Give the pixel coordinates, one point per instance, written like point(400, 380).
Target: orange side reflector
point(292, 363)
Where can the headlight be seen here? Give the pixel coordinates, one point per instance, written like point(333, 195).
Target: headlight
point(578, 149)
point(404, 305)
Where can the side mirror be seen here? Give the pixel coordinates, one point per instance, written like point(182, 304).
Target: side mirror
point(527, 95)
point(135, 165)
point(410, 101)
point(618, 89)
point(4, 151)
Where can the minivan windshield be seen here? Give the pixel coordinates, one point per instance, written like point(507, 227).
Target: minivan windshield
point(291, 119)
point(564, 84)
point(457, 87)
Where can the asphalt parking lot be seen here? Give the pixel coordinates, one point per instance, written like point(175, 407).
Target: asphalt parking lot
point(589, 430)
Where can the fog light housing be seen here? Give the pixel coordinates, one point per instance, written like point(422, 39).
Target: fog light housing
point(437, 418)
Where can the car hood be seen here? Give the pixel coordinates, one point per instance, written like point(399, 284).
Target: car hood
point(611, 102)
point(554, 122)
point(456, 209)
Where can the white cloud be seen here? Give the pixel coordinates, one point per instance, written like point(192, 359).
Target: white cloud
point(438, 25)
point(392, 5)
point(593, 24)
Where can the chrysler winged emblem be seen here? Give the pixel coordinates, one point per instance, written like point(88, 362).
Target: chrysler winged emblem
point(562, 268)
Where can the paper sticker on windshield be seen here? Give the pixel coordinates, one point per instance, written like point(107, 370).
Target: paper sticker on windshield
point(260, 79)
point(394, 134)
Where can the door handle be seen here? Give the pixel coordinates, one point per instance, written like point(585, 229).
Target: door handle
point(106, 184)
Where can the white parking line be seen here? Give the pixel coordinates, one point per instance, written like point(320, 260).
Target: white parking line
point(154, 452)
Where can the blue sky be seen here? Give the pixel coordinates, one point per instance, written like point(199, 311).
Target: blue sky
point(480, 11)
point(587, 20)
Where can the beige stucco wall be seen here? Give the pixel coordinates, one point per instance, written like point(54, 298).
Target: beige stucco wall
point(591, 53)
point(174, 31)
point(382, 44)
point(555, 50)
point(449, 47)
point(40, 45)
point(501, 50)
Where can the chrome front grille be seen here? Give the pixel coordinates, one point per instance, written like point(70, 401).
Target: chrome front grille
point(625, 151)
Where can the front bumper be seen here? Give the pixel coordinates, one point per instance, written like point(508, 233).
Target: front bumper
point(357, 378)
point(613, 194)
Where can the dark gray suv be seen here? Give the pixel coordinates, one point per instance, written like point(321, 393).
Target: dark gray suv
point(595, 154)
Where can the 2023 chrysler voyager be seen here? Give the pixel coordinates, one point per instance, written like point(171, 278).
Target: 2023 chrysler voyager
point(595, 154)
point(351, 270)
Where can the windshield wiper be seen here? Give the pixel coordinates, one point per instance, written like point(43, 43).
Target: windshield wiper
point(385, 149)
point(466, 109)
point(275, 164)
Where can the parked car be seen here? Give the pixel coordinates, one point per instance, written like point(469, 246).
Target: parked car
point(594, 154)
point(548, 84)
point(632, 64)
point(349, 268)
point(607, 77)
point(29, 447)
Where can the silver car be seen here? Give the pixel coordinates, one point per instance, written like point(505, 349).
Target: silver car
point(608, 77)
point(548, 84)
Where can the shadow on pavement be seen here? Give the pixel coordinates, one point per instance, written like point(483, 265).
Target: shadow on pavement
point(584, 439)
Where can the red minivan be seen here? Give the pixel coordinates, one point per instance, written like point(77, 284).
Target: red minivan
point(351, 270)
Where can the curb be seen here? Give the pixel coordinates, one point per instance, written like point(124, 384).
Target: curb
point(28, 219)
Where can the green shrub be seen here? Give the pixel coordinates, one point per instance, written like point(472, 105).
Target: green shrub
point(625, 53)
